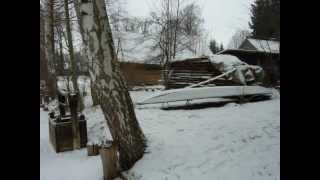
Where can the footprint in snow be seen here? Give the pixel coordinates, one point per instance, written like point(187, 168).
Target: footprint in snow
point(193, 116)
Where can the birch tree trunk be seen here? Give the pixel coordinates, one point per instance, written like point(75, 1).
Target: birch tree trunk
point(95, 100)
point(74, 116)
point(110, 86)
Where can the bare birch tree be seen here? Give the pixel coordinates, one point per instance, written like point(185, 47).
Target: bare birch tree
point(110, 86)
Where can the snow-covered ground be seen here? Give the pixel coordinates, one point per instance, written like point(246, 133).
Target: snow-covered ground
point(72, 165)
point(233, 142)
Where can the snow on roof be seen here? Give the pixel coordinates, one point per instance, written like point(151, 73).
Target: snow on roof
point(187, 56)
point(225, 62)
point(221, 60)
point(265, 45)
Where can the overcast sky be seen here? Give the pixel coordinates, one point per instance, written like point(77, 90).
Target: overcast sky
point(222, 17)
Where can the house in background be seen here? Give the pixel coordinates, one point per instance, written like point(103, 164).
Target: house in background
point(267, 46)
point(264, 53)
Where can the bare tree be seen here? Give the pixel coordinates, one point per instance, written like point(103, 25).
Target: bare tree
point(61, 61)
point(44, 69)
point(178, 30)
point(58, 13)
point(167, 35)
point(47, 14)
point(238, 38)
point(74, 77)
point(110, 86)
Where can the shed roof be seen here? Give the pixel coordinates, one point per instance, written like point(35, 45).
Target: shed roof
point(265, 45)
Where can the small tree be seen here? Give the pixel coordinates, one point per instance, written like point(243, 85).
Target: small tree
point(215, 47)
point(178, 28)
point(265, 18)
point(221, 47)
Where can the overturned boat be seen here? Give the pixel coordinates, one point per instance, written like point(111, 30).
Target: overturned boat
point(228, 92)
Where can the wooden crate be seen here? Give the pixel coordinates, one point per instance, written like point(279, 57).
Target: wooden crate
point(60, 134)
point(93, 149)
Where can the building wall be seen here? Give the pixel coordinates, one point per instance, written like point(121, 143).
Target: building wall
point(140, 74)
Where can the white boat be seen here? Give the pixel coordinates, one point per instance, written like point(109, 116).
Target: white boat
point(186, 94)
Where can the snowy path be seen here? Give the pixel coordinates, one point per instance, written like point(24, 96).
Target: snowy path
point(234, 142)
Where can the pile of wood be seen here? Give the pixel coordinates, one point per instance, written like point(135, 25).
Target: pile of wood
point(194, 70)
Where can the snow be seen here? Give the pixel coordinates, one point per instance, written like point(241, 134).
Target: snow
point(244, 73)
point(98, 130)
point(153, 87)
point(225, 62)
point(83, 84)
point(265, 45)
point(68, 165)
point(234, 142)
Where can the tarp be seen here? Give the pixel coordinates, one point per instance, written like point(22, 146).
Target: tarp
point(244, 74)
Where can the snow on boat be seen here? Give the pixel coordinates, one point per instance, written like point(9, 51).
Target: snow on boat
point(186, 94)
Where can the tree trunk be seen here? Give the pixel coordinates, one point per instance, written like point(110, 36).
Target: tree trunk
point(95, 99)
point(176, 31)
point(73, 98)
point(74, 116)
point(61, 60)
point(78, 14)
point(70, 47)
point(111, 89)
point(50, 49)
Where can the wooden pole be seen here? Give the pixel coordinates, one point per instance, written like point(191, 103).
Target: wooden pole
point(211, 79)
point(73, 99)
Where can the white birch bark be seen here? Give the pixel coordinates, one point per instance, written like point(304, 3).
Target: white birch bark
point(110, 86)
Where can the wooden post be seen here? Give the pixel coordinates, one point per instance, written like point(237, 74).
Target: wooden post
point(93, 149)
point(73, 99)
point(62, 102)
point(109, 158)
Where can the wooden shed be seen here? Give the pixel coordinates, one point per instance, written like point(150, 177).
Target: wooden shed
point(264, 53)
